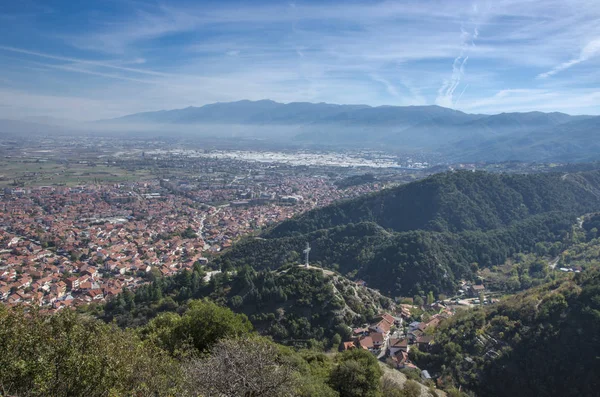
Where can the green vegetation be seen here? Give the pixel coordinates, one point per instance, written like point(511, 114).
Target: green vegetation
point(427, 235)
point(294, 305)
point(545, 340)
point(407, 263)
point(197, 329)
point(457, 201)
point(56, 171)
point(357, 374)
point(71, 355)
point(578, 251)
point(195, 335)
point(208, 350)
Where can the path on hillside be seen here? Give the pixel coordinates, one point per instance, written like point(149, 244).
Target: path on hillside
point(552, 264)
point(325, 271)
point(399, 378)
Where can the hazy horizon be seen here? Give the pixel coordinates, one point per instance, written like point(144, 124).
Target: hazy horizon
point(53, 120)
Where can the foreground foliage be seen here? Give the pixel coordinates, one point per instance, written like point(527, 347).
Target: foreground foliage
point(70, 355)
point(206, 351)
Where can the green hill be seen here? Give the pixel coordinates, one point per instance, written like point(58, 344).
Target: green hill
point(543, 342)
point(427, 235)
point(457, 201)
point(293, 305)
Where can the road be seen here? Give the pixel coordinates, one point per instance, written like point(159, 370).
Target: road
point(201, 228)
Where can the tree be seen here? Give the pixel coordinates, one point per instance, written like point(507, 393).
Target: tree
point(336, 341)
point(70, 355)
point(411, 389)
point(249, 366)
point(198, 329)
point(430, 298)
point(418, 300)
point(356, 375)
point(236, 301)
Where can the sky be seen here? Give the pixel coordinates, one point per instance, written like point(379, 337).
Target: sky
point(96, 59)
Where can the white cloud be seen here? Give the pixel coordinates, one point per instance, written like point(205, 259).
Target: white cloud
point(591, 50)
point(581, 101)
point(390, 88)
point(374, 53)
point(77, 60)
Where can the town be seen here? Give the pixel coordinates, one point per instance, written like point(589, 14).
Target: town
point(66, 246)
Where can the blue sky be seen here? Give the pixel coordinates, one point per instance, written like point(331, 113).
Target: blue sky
point(97, 59)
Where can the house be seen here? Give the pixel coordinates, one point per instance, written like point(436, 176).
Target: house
point(425, 375)
point(383, 326)
point(413, 326)
point(90, 271)
point(390, 319)
point(475, 290)
point(72, 283)
point(424, 342)
point(366, 342)
point(400, 359)
point(395, 345)
point(4, 292)
point(348, 345)
point(95, 294)
point(59, 289)
point(405, 312)
point(433, 322)
point(416, 333)
point(145, 268)
point(378, 339)
point(360, 331)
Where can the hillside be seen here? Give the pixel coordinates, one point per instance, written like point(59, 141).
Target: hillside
point(457, 201)
point(204, 350)
point(427, 235)
point(573, 141)
point(291, 305)
point(530, 338)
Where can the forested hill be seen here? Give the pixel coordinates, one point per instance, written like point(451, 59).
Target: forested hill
point(428, 235)
point(544, 342)
point(291, 304)
point(457, 201)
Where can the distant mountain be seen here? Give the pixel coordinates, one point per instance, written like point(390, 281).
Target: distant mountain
point(243, 112)
point(457, 135)
point(395, 116)
point(17, 127)
point(572, 141)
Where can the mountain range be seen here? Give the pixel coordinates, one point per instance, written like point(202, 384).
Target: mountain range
point(455, 135)
point(459, 136)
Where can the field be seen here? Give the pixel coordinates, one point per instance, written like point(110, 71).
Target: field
point(35, 172)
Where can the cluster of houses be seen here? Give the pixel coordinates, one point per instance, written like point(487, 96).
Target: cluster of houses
point(392, 338)
point(63, 246)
